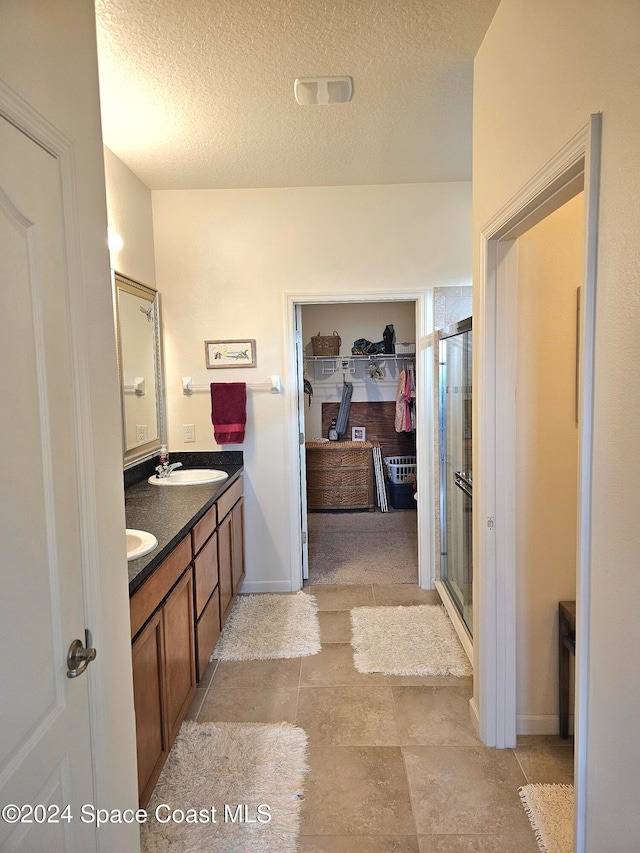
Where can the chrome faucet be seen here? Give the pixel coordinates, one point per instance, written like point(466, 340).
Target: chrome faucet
point(165, 470)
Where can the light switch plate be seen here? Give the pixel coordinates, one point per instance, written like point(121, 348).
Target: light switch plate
point(142, 433)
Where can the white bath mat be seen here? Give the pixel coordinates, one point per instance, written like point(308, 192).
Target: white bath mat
point(550, 812)
point(255, 766)
point(406, 641)
point(264, 627)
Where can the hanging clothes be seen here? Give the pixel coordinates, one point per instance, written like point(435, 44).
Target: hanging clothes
point(402, 409)
point(405, 397)
point(412, 404)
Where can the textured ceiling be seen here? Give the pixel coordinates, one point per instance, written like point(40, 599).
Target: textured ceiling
point(199, 93)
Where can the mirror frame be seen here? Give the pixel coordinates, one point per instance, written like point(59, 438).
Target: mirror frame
point(150, 448)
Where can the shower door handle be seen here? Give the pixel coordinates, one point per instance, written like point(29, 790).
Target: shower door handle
point(463, 484)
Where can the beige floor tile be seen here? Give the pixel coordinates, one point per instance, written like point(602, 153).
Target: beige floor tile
point(205, 681)
point(404, 594)
point(257, 674)
point(460, 790)
point(546, 759)
point(348, 716)
point(432, 681)
point(357, 844)
point(478, 843)
point(192, 713)
point(246, 705)
point(334, 667)
point(434, 716)
point(335, 626)
point(356, 791)
point(341, 597)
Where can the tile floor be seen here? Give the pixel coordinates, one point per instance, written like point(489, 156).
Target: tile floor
point(395, 762)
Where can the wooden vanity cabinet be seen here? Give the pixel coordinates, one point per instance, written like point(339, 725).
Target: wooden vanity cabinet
point(163, 655)
point(176, 618)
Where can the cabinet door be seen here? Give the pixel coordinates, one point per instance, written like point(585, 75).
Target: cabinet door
point(237, 526)
point(206, 573)
point(149, 700)
point(207, 633)
point(225, 567)
point(179, 652)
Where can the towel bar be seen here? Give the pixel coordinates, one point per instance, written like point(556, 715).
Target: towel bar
point(274, 385)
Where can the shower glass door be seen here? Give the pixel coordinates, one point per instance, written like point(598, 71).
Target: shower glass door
point(456, 481)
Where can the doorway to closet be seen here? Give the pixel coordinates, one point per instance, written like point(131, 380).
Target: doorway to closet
point(359, 423)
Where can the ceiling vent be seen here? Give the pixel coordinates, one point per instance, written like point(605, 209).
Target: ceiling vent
point(323, 90)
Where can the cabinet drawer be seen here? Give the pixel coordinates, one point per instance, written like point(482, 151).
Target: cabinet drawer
point(340, 478)
point(229, 498)
point(207, 633)
point(156, 588)
point(337, 458)
point(351, 498)
point(206, 573)
point(204, 528)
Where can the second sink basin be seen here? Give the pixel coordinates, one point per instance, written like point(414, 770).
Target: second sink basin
point(139, 543)
point(190, 477)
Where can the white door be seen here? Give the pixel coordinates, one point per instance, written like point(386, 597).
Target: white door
point(45, 758)
point(303, 457)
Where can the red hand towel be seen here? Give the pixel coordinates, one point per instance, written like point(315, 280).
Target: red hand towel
point(229, 411)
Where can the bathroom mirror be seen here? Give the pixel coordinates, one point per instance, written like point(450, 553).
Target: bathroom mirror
point(137, 322)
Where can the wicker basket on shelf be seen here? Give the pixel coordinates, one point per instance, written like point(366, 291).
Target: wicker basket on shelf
point(326, 344)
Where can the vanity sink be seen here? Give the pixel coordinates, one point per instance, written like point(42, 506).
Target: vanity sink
point(190, 477)
point(139, 543)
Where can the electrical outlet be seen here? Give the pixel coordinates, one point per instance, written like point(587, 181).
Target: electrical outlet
point(188, 432)
point(142, 433)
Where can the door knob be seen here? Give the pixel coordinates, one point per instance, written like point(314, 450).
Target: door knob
point(79, 656)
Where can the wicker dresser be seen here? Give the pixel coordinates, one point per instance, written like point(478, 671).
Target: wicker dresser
point(340, 475)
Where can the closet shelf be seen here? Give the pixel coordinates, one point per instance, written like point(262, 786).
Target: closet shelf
point(382, 356)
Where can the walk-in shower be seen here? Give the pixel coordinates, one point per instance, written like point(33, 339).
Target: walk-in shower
point(456, 481)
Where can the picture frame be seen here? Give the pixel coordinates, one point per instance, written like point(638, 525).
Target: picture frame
point(358, 434)
point(237, 353)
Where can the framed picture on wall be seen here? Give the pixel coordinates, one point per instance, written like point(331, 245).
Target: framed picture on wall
point(358, 434)
point(230, 353)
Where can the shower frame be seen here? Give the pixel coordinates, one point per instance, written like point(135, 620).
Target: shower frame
point(454, 605)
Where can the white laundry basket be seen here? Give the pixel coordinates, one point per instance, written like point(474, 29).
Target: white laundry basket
point(401, 469)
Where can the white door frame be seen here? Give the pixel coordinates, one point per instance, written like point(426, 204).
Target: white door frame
point(424, 431)
point(575, 167)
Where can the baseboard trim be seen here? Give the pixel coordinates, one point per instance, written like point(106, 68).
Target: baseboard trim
point(475, 715)
point(456, 621)
point(266, 586)
point(540, 724)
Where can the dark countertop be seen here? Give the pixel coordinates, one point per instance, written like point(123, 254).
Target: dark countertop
point(170, 511)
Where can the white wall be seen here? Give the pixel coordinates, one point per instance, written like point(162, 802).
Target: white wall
point(48, 57)
point(549, 273)
point(358, 320)
point(353, 321)
point(129, 214)
point(225, 259)
point(542, 69)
